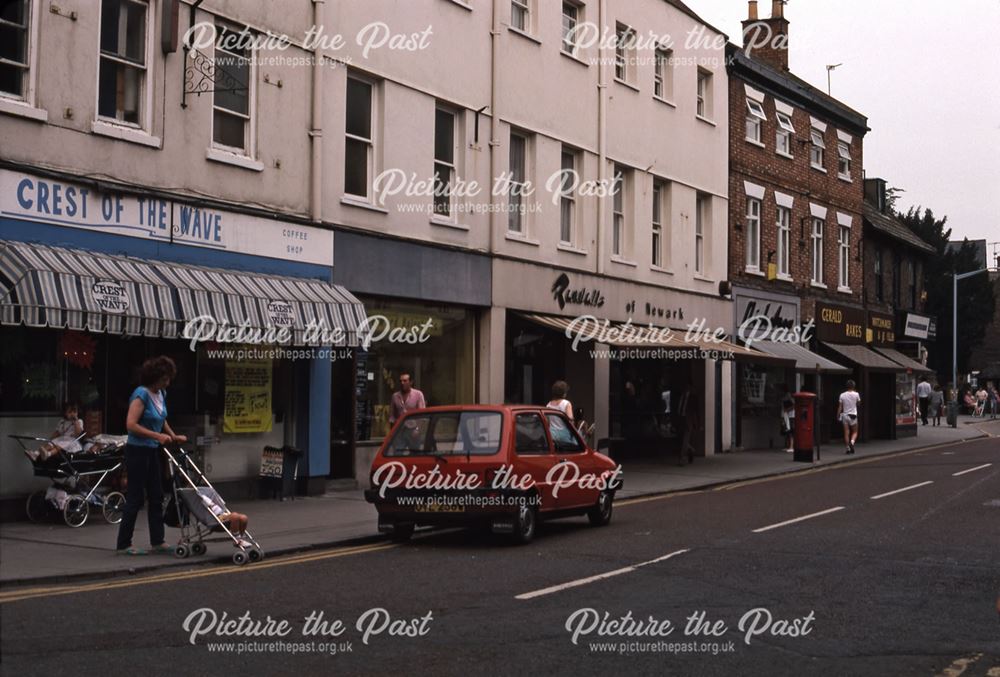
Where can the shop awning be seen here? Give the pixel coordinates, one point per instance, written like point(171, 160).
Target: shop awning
point(616, 334)
point(864, 357)
point(45, 286)
point(904, 361)
point(805, 360)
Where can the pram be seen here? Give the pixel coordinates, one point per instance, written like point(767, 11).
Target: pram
point(189, 512)
point(78, 478)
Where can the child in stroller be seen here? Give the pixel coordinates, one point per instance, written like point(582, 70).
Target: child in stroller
point(66, 437)
point(237, 522)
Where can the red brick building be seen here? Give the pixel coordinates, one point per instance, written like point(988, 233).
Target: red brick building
point(796, 213)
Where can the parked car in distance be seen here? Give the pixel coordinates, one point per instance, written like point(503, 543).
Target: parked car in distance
point(505, 467)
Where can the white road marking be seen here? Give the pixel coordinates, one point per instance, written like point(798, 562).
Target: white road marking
point(899, 491)
point(798, 519)
point(978, 467)
point(598, 577)
point(960, 665)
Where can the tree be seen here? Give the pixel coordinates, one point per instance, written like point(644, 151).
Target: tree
point(976, 302)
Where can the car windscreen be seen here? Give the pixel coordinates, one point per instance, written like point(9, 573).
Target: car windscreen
point(469, 433)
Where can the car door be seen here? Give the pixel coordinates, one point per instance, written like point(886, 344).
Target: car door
point(569, 448)
point(533, 455)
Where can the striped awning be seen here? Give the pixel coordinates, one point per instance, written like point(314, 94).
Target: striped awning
point(45, 286)
point(619, 335)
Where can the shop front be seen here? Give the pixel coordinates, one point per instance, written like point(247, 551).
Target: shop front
point(843, 334)
point(425, 305)
point(882, 331)
point(770, 323)
point(95, 281)
point(621, 348)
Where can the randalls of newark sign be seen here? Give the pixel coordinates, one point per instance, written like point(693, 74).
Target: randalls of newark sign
point(110, 297)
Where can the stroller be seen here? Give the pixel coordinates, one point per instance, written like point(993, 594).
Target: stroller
point(189, 510)
point(77, 478)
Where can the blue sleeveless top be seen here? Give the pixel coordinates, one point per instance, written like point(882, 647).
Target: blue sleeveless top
point(151, 419)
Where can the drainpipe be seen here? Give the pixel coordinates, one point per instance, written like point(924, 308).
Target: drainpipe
point(316, 123)
point(494, 124)
point(602, 136)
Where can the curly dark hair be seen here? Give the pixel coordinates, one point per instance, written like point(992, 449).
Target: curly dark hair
point(156, 368)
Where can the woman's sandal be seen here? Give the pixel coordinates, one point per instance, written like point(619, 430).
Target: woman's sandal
point(163, 549)
point(132, 551)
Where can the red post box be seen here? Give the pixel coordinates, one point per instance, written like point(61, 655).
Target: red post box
point(805, 417)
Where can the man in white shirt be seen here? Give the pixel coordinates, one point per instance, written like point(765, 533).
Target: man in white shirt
point(847, 412)
point(924, 396)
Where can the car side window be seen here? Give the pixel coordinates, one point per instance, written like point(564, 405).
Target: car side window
point(530, 435)
point(563, 437)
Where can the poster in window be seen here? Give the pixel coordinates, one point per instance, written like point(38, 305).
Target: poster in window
point(248, 397)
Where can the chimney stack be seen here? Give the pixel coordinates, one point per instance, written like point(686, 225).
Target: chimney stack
point(767, 39)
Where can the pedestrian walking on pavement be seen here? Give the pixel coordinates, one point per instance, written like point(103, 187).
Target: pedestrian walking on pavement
point(994, 401)
point(847, 412)
point(924, 395)
point(405, 399)
point(559, 391)
point(937, 403)
point(147, 430)
point(788, 420)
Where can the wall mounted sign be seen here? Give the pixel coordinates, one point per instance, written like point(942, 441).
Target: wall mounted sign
point(883, 330)
point(111, 297)
point(840, 324)
point(566, 296)
point(64, 203)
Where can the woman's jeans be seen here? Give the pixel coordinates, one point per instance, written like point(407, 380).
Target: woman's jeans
point(143, 467)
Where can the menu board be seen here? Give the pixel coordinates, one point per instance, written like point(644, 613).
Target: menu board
point(362, 410)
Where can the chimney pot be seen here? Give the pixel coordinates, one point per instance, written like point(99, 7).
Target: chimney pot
point(753, 10)
point(777, 9)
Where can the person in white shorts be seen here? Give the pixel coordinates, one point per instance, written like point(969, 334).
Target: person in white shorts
point(847, 412)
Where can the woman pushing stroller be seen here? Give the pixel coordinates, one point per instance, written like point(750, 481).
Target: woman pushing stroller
point(147, 429)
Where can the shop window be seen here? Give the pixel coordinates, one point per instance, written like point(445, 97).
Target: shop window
point(442, 366)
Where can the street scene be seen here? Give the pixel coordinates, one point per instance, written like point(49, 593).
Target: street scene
point(441, 336)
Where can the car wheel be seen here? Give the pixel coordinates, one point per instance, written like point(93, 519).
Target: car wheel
point(600, 514)
point(402, 532)
point(525, 524)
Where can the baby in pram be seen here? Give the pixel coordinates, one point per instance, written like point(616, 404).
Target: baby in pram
point(66, 437)
point(235, 521)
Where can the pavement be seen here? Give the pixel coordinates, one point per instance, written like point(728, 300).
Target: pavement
point(876, 568)
point(51, 552)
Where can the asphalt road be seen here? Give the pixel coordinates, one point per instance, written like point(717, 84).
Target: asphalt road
point(871, 583)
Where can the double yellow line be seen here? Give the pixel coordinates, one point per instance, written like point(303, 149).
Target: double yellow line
point(18, 595)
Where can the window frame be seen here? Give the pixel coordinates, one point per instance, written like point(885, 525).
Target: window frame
point(752, 243)
point(656, 238)
point(702, 205)
point(818, 233)
point(513, 213)
point(452, 165)
point(844, 258)
point(784, 134)
point(703, 103)
point(817, 151)
point(624, 54)
point(784, 241)
point(663, 74)
point(576, 21)
point(249, 149)
point(370, 143)
point(521, 8)
point(756, 117)
point(145, 96)
point(567, 199)
point(29, 69)
point(844, 159)
point(619, 210)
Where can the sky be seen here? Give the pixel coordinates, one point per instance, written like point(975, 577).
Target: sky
point(927, 75)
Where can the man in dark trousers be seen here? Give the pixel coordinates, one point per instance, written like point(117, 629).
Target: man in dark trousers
point(924, 396)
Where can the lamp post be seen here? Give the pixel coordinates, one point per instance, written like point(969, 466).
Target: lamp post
point(954, 337)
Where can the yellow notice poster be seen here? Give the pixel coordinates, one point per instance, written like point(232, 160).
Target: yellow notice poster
point(248, 397)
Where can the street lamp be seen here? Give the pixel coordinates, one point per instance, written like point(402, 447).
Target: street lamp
point(954, 336)
point(829, 82)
